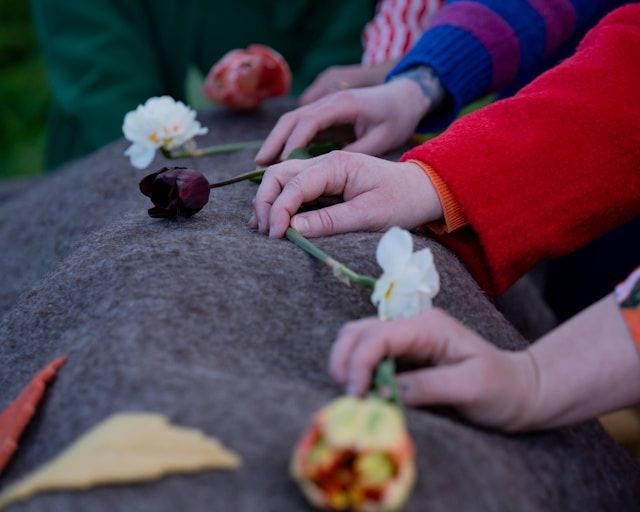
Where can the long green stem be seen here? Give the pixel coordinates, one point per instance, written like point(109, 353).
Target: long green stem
point(219, 149)
point(339, 269)
point(257, 173)
point(384, 382)
point(384, 386)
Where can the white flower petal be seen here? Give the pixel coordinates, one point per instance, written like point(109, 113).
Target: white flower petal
point(160, 122)
point(429, 278)
point(382, 285)
point(140, 156)
point(409, 281)
point(394, 249)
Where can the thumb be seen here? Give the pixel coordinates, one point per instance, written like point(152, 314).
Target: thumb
point(339, 218)
point(444, 385)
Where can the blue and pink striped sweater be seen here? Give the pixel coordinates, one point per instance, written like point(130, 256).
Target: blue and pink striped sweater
point(480, 46)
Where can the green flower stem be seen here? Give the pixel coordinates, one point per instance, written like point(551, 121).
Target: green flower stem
point(219, 149)
point(384, 386)
point(340, 270)
point(257, 173)
point(384, 382)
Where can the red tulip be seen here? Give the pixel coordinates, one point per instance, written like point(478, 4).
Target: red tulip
point(175, 191)
point(357, 455)
point(244, 78)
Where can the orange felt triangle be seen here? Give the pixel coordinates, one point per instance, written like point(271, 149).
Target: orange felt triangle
point(15, 418)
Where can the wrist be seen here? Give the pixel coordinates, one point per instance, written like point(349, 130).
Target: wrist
point(410, 97)
point(524, 392)
point(426, 201)
point(453, 218)
point(427, 88)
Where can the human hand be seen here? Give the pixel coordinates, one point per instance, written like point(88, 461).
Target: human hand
point(383, 118)
point(337, 78)
point(487, 385)
point(377, 194)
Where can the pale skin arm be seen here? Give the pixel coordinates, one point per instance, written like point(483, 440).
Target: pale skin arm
point(377, 194)
point(587, 367)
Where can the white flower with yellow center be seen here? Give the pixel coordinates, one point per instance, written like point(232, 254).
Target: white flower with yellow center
point(409, 279)
point(161, 122)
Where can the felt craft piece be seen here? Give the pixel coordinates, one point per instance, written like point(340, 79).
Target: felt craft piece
point(125, 448)
point(15, 418)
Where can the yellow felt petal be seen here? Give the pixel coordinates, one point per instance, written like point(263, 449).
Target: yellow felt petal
point(132, 447)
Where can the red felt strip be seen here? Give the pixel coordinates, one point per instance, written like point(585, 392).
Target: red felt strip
point(15, 418)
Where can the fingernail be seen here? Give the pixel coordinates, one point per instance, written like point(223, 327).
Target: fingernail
point(301, 224)
point(252, 222)
point(271, 231)
point(351, 389)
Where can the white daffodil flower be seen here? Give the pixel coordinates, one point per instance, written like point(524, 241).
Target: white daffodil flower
point(409, 280)
point(160, 122)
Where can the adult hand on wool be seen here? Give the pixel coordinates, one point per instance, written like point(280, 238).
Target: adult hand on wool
point(377, 194)
point(337, 78)
point(487, 385)
point(383, 118)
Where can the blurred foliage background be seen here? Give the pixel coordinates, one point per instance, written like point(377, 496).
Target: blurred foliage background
point(24, 95)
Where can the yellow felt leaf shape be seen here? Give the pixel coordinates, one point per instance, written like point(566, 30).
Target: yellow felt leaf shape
point(125, 448)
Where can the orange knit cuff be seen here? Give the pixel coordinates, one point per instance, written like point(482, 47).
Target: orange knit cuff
point(454, 218)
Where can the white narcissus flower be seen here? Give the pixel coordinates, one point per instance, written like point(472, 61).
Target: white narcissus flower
point(160, 122)
point(409, 280)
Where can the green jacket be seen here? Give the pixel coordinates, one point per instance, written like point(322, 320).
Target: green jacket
point(107, 56)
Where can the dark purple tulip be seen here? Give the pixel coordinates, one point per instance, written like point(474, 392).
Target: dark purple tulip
point(175, 191)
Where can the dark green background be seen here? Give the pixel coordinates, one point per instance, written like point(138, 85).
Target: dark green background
point(24, 93)
point(24, 96)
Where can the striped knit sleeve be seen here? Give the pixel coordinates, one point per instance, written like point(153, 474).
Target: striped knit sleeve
point(395, 28)
point(479, 46)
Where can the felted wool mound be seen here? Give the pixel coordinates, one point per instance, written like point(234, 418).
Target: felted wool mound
point(220, 328)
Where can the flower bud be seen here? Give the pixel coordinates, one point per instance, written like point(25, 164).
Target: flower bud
point(175, 191)
point(357, 455)
point(244, 78)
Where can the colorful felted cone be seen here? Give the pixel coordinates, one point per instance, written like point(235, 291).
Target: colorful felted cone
point(357, 455)
point(244, 78)
point(15, 418)
point(175, 191)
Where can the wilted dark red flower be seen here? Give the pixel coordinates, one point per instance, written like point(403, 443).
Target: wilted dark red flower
point(175, 191)
point(244, 78)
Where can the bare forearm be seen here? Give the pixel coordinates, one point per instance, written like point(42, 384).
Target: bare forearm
point(586, 367)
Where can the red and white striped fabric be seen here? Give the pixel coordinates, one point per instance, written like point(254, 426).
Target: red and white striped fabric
point(395, 28)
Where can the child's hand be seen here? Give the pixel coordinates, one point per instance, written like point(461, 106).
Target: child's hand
point(487, 385)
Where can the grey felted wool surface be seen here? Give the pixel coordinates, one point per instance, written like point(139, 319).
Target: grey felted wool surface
point(222, 329)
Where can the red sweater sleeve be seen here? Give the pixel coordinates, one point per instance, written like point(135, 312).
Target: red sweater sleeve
point(552, 168)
